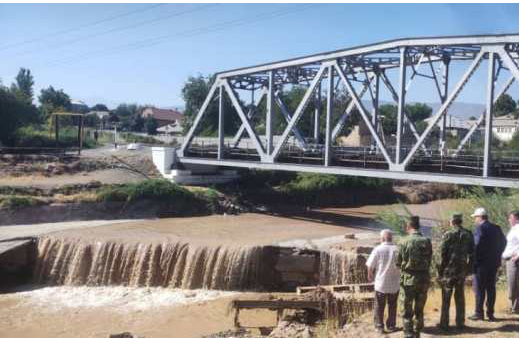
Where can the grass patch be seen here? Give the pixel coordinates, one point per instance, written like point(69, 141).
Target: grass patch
point(39, 137)
point(19, 202)
point(173, 199)
point(315, 189)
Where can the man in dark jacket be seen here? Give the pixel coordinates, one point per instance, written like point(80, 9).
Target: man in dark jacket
point(489, 243)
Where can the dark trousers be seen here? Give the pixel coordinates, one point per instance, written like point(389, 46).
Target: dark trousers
point(458, 287)
point(484, 284)
point(380, 305)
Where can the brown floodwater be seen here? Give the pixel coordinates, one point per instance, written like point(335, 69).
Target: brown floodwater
point(71, 309)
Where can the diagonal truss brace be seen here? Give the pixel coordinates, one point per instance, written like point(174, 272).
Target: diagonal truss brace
point(344, 117)
point(363, 113)
point(250, 130)
point(299, 137)
point(239, 134)
point(475, 63)
point(298, 113)
point(199, 116)
point(482, 117)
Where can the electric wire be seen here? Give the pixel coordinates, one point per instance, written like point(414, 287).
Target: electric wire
point(183, 34)
point(66, 31)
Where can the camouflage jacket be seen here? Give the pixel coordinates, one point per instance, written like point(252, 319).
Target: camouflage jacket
point(456, 254)
point(414, 259)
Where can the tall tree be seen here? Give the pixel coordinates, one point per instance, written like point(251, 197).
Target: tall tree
point(52, 100)
point(23, 88)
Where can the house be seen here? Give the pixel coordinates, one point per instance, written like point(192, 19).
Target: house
point(504, 127)
point(163, 116)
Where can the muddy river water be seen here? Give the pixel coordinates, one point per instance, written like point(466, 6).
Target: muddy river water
point(69, 308)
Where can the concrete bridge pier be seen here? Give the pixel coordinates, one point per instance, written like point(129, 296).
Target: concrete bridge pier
point(167, 163)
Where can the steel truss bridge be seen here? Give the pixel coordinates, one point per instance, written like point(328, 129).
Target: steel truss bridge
point(362, 70)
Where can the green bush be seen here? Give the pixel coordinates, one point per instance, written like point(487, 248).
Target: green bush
point(173, 199)
point(394, 220)
point(497, 202)
point(314, 189)
point(19, 202)
point(38, 137)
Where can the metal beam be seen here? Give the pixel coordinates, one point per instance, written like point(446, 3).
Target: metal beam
point(482, 117)
point(363, 113)
point(475, 63)
point(221, 123)
point(329, 109)
point(359, 172)
point(250, 130)
point(297, 114)
point(381, 46)
point(189, 137)
point(487, 160)
point(317, 114)
point(270, 113)
point(401, 106)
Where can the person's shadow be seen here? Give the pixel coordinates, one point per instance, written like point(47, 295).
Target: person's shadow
point(489, 328)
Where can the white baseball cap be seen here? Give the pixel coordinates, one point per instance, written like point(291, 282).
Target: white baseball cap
point(479, 212)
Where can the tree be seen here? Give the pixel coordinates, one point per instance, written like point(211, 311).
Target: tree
point(418, 111)
point(23, 88)
point(14, 113)
point(52, 100)
point(151, 126)
point(99, 107)
point(504, 105)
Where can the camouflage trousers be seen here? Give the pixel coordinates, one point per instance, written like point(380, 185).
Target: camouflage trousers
point(458, 287)
point(413, 300)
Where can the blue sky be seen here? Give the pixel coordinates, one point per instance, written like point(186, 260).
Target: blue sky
point(95, 52)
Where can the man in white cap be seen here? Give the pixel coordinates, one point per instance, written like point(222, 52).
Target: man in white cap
point(511, 255)
point(381, 267)
point(489, 243)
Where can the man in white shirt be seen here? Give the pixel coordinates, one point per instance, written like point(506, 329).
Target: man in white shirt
point(381, 267)
point(511, 255)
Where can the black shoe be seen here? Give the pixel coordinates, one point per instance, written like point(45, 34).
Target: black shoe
point(417, 335)
point(460, 327)
point(491, 318)
point(476, 318)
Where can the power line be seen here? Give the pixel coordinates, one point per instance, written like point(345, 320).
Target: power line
point(66, 31)
point(122, 28)
point(188, 33)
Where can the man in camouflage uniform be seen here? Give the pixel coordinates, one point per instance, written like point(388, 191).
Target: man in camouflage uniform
point(455, 263)
point(414, 259)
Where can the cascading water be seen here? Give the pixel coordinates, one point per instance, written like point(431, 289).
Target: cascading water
point(173, 264)
point(338, 267)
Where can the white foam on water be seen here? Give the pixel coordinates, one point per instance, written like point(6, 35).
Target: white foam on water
point(120, 298)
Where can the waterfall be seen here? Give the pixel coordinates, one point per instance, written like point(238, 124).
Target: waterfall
point(338, 267)
point(62, 261)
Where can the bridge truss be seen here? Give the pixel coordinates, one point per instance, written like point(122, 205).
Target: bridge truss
point(361, 70)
